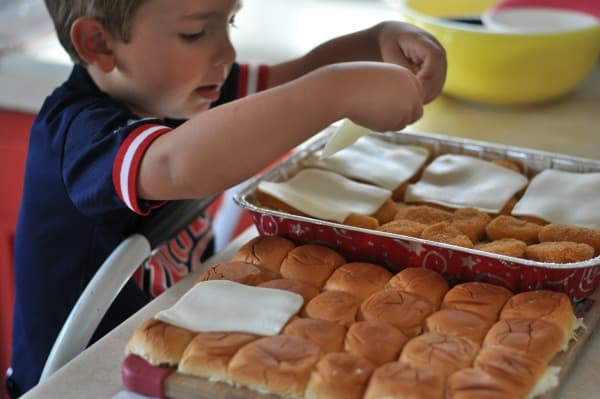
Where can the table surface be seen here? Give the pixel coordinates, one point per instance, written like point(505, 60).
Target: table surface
point(95, 373)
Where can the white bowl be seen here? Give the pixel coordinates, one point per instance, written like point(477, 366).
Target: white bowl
point(537, 20)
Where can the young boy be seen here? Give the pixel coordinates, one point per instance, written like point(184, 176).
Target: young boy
point(147, 116)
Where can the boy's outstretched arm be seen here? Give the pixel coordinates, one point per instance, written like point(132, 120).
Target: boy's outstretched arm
point(222, 147)
point(395, 42)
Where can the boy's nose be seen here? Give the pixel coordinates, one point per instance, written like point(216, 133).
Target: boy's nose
point(225, 55)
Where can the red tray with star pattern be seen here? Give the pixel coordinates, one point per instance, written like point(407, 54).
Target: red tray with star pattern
point(457, 264)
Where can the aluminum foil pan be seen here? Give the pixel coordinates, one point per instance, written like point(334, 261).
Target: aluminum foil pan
point(457, 264)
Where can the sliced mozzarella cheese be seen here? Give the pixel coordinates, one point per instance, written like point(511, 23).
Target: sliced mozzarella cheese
point(346, 134)
point(376, 161)
point(226, 306)
point(562, 197)
point(327, 195)
point(462, 181)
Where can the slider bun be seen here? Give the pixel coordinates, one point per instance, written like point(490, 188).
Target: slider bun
point(240, 272)
point(445, 352)
point(305, 290)
point(339, 376)
point(208, 354)
point(536, 336)
point(483, 299)
point(421, 281)
point(519, 370)
point(159, 343)
point(359, 279)
point(554, 307)
point(473, 383)
point(327, 335)
point(280, 364)
point(458, 323)
point(337, 306)
point(378, 341)
point(312, 264)
point(266, 252)
point(403, 310)
point(402, 381)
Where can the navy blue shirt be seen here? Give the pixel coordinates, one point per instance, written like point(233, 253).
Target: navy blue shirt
point(79, 202)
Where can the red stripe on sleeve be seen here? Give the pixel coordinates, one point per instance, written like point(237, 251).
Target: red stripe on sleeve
point(242, 88)
point(118, 163)
point(128, 161)
point(263, 75)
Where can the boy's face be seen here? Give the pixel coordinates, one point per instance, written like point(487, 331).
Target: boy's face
point(178, 57)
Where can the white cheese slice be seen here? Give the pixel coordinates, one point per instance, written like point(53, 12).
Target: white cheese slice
point(327, 195)
point(376, 161)
point(562, 197)
point(227, 306)
point(462, 181)
point(346, 134)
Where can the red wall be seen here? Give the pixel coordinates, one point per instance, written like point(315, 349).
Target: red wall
point(14, 134)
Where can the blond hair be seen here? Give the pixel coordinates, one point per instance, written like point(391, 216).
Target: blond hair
point(115, 15)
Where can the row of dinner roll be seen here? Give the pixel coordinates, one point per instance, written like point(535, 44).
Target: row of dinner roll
point(364, 332)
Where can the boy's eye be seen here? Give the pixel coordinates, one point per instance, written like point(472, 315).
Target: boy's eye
point(232, 22)
point(191, 37)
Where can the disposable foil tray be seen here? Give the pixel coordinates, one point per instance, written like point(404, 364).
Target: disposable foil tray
point(457, 264)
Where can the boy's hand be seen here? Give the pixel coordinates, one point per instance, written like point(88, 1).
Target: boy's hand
point(409, 46)
point(377, 95)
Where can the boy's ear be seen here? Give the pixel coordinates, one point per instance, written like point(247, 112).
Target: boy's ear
point(93, 43)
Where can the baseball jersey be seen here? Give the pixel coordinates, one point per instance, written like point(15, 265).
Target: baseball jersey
point(79, 202)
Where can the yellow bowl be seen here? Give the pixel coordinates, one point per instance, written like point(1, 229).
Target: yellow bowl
point(503, 68)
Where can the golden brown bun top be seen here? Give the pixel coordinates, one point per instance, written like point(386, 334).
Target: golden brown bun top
point(362, 334)
point(340, 375)
point(328, 335)
point(278, 363)
point(209, 353)
point(458, 323)
point(401, 380)
point(312, 264)
point(445, 352)
point(472, 383)
point(358, 278)
point(421, 281)
point(281, 351)
point(265, 251)
point(536, 336)
point(305, 290)
point(159, 343)
point(518, 369)
point(403, 310)
point(483, 299)
point(240, 272)
point(337, 306)
point(551, 306)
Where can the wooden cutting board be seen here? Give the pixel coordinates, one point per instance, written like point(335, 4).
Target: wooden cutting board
point(141, 377)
